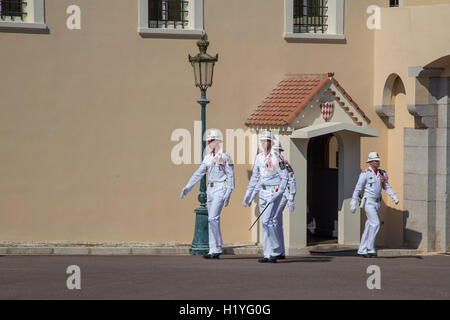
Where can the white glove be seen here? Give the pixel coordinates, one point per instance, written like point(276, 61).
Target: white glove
point(353, 206)
point(184, 192)
point(291, 196)
point(291, 205)
point(253, 196)
point(247, 200)
point(227, 198)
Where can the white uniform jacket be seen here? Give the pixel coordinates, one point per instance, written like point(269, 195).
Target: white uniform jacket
point(268, 170)
point(373, 183)
point(219, 167)
point(291, 187)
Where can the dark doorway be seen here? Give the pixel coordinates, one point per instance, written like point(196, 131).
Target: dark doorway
point(322, 190)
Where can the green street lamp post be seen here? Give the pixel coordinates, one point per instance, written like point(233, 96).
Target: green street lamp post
point(203, 65)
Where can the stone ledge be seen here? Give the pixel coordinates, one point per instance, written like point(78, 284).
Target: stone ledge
point(160, 251)
point(29, 251)
point(71, 251)
point(109, 251)
point(425, 115)
point(92, 244)
point(120, 250)
point(244, 250)
point(387, 114)
point(391, 253)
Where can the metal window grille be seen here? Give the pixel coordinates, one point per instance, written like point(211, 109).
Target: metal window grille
point(12, 9)
point(393, 3)
point(168, 13)
point(310, 16)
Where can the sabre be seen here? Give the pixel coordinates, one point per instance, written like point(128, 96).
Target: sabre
point(259, 215)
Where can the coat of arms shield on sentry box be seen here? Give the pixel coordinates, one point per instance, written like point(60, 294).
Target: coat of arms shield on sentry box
point(327, 110)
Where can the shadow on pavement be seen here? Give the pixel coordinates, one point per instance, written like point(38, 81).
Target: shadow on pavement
point(402, 257)
point(306, 259)
point(352, 253)
point(287, 260)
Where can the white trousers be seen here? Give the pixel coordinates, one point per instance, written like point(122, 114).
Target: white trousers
point(371, 228)
point(278, 220)
point(215, 203)
point(271, 241)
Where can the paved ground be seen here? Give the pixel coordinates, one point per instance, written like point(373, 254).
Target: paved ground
point(231, 277)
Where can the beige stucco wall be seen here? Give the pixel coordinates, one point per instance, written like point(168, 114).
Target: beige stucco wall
point(86, 115)
point(424, 2)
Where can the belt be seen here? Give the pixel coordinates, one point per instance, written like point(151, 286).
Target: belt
point(373, 199)
point(217, 184)
point(269, 187)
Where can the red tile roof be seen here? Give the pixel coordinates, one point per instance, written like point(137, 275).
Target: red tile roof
point(291, 96)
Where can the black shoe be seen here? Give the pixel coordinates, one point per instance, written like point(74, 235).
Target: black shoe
point(365, 255)
point(263, 260)
point(280, 257)
point(372, 254)
point(211, 256)
point(273, 259)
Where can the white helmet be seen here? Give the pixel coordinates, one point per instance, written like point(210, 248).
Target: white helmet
point(213, 134)
point(373, 156)
point(266, 135)
point(277, 145)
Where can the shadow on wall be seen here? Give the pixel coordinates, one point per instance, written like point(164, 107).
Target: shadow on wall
point(411, 238)
point(249, 174)
point(393, 232)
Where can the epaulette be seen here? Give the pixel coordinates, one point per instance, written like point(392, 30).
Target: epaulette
point(289, 168)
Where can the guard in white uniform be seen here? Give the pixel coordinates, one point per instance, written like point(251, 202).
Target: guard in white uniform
point(272, 174)
point(220, 170)
point(288, 197)
point(372, 181)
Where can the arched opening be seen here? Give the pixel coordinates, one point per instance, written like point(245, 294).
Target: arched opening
point(398, 88)
point(441, 63)
point(393, 108)
point(392, 87)
point(322, 189)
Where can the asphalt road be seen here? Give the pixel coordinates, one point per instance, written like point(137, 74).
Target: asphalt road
point(231, 277)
